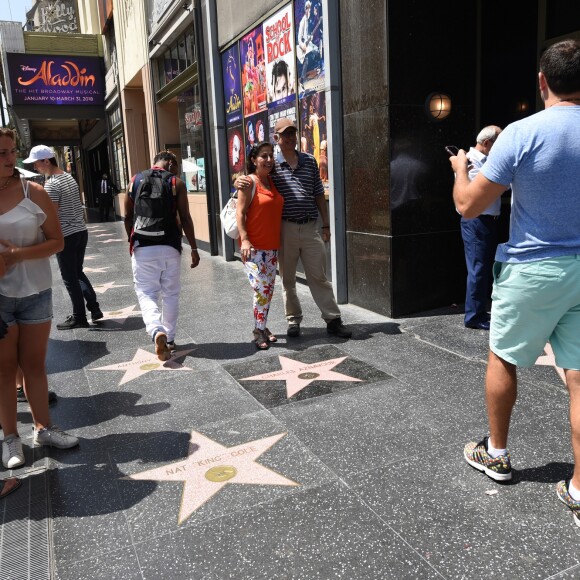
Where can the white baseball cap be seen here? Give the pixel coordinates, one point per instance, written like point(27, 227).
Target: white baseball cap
point(40, 152)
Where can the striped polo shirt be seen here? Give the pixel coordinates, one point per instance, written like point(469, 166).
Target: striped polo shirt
point(63, 190)
point(299, 186)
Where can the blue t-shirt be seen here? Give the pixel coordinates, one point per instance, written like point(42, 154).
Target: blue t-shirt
point(540, 157)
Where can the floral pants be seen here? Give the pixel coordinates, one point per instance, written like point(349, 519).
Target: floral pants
point(261, 270)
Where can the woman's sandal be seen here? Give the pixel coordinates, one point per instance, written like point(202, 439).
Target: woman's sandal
point(260, 340)
point(271, 337)
point(8, 486)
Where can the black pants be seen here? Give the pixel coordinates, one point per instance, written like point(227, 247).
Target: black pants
point(105, 207)
point(70, 262)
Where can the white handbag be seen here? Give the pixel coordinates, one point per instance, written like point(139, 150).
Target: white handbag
point(228, 213)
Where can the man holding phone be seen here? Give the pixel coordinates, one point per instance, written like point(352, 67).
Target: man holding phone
point(479, 238)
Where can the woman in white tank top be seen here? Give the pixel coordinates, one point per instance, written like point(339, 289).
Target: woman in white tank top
point(29, 234)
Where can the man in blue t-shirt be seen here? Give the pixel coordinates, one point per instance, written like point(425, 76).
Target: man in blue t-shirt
point(536, 295)
point(156, 259)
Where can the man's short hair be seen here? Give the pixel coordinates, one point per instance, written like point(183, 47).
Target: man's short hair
point(560, 64)
point(165, 156)
point(490, 132)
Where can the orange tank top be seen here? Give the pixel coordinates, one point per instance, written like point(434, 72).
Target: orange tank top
point(264, 217)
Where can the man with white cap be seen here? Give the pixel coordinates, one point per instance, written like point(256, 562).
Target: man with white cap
point(297, 178)
point(64, 192)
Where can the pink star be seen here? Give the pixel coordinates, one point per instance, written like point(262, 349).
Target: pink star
point(549, 360)
point(299, 375)
point(210, 466)
point(104, 287)
point(144, 362)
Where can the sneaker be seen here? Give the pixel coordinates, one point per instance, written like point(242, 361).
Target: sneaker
point(72, 322)
point(338, 328)
point(12, 454)
point(171, 345)
point(499, 469)
point(54, 437)
point(565, 497)
point(21, 396)
point(293, 329)
point(96, 314)
point(161, 348)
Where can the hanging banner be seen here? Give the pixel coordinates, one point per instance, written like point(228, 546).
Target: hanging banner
point(280, 62)
point(56, 80)
point(232, 86)
point(253, 71)
point(309, 46)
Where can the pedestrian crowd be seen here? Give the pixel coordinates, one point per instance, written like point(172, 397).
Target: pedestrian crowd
point(532, 279)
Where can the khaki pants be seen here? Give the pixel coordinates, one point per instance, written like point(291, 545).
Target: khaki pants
point(303, 241)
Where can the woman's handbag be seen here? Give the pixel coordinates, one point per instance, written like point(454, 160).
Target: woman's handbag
point(228, 213)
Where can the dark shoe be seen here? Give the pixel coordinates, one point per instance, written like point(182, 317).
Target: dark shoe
point(96, 315)
point(337, 328)
point(72, 322)
point(565, 497)
point(271, 337)
point(478, 325)
point(8, 486)
point(293, 329)
point(260, 340)
point(21, 396)
point(499, 468)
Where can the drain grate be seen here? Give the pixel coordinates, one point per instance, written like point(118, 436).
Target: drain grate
point(24, 530)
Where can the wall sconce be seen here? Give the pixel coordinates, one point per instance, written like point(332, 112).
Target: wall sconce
point(522, 107)
point(438, 106)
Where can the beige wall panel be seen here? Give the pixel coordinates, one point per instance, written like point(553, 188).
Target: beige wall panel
point(198, 211)
point(234, 16)
point(138, 157)
point(168, 122)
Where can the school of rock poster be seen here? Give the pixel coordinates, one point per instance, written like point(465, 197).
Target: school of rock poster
point(280, 60)
point(309, 46)
point(232, 86)
point(253, 71)
point(313, 136)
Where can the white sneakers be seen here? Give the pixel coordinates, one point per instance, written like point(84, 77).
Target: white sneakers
point(12, 454)
point(54, 437)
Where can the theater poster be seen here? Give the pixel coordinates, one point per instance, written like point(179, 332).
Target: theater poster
point(309, 46)
point(313, 136)
point(280, 59)
point(232, 86)
point(253, 65)
point(256, 130)
point(236, 154)
point(280, 111)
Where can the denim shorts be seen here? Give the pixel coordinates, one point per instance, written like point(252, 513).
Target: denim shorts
point(534, 303)
point(33, 309)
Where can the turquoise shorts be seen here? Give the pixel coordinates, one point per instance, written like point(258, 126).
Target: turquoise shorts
point(534, 303)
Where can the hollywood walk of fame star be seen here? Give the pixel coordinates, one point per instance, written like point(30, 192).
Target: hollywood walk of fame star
point(299, 375)
point(101, 269)
point(549, 360)
point(120, 314)
point(111, 240)
point(210, 466)
point(144, 362)
point(102, 288)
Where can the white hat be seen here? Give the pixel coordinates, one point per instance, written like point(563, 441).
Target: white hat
point(39, 152)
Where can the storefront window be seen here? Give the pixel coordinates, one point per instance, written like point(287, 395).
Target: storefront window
point(176, 58)
point(190, 48)
point(191, 138)
point(119, 158)
point(181, 54)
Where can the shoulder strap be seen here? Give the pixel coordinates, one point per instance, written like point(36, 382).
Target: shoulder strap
point(24, 187)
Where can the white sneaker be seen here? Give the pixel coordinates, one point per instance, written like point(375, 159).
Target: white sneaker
point(54, 437)
point(12, 455)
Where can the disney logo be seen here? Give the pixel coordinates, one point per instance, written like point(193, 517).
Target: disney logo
point(27, 68)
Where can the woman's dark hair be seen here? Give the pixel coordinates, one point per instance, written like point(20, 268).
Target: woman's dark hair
point(254, 151)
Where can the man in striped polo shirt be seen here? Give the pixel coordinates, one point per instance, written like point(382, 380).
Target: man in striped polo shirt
point(64, 192)
point(297, 178)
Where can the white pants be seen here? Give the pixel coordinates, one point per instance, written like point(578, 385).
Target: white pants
point(156, 271)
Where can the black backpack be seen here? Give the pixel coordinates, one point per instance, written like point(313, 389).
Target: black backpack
point(154, 218)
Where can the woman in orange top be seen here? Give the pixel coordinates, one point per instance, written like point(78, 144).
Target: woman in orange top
point(259, 220)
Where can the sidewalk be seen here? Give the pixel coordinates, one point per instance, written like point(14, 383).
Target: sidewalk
point(319, 458)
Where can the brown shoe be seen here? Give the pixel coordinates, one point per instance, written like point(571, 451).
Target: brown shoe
point(161, 349)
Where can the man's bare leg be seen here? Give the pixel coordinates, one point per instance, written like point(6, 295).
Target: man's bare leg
point(501, 392)
point(573, 384)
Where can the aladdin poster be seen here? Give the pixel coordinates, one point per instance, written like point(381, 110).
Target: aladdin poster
point(280, 62)
point(232, 86)
point(309, 46)
point(253, 71)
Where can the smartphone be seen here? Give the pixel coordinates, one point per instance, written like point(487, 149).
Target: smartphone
point(452, 150)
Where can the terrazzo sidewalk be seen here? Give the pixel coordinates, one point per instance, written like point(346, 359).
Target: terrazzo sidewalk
point(319, 458)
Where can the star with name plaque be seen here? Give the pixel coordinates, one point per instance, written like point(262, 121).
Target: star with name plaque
point(209, 466)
